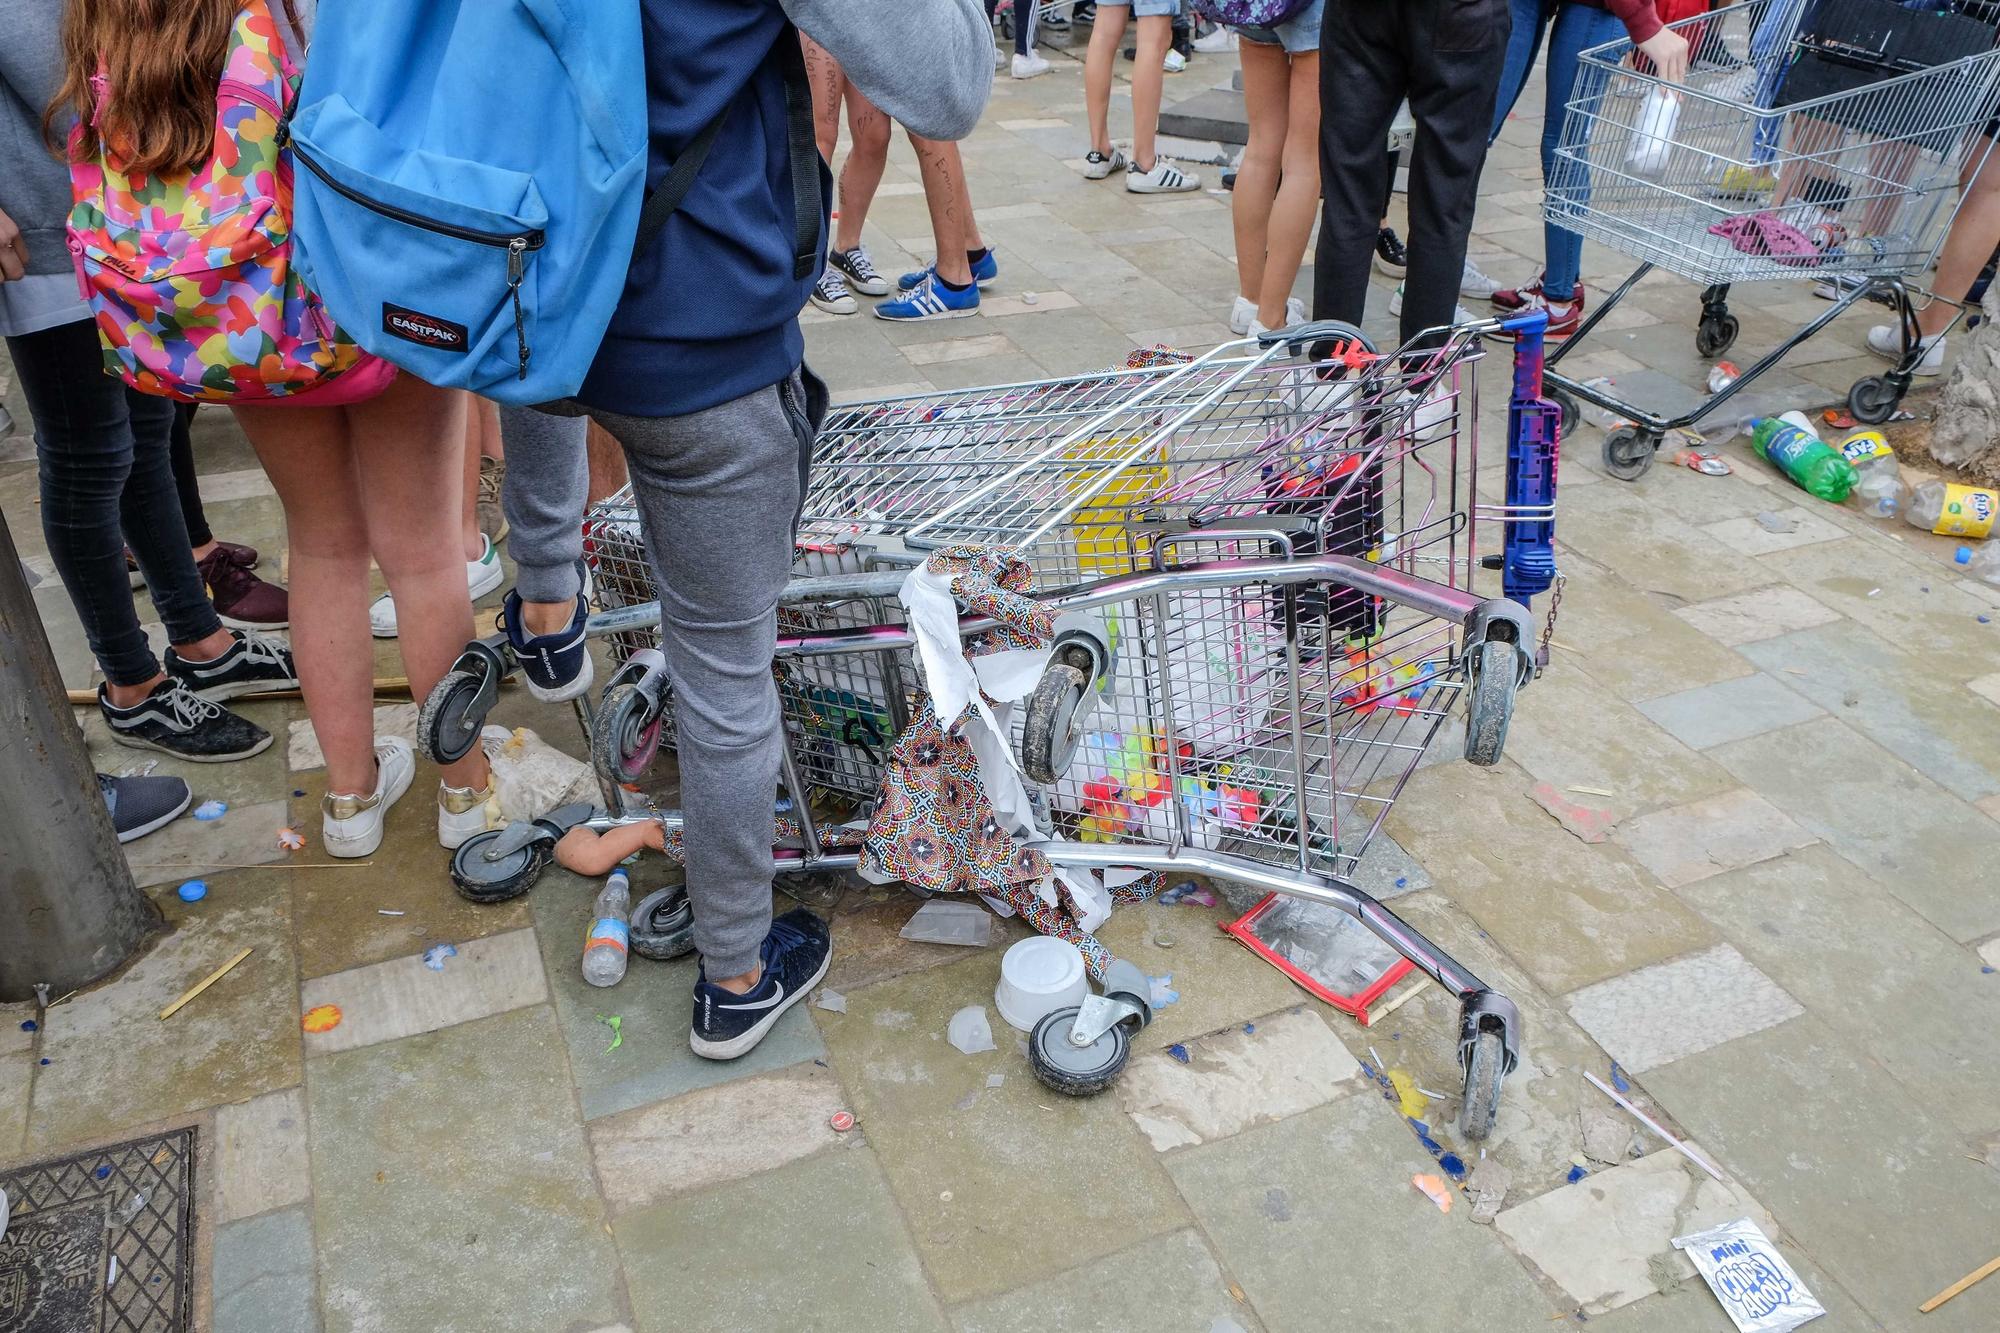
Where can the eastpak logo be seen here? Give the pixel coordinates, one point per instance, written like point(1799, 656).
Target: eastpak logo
point(423, 330)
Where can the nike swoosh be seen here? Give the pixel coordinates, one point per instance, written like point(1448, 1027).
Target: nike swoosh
point(761, 1004)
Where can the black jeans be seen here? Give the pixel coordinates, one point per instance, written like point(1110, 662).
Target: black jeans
point(1445, 56)
point(184, 477)
point(103, 453)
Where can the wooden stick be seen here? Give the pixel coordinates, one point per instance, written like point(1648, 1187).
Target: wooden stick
point(1654, 1125)
point(247, 865)
point(202, 985)
point(1396, 1001)
point(395, 686)
point(1934, 1302)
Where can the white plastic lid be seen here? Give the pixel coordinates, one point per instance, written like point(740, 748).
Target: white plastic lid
point(1042, 965)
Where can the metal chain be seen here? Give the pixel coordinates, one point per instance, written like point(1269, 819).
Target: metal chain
point(1549, 628)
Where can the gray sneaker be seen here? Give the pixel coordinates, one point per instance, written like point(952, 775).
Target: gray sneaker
point(139, 805)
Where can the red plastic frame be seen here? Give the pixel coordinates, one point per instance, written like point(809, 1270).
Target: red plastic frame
point(1243, 928)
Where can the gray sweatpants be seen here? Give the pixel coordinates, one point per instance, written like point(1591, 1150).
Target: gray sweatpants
point(718, 494)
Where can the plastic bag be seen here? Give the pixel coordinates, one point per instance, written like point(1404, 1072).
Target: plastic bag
point(532, 777)
point(1653, 136)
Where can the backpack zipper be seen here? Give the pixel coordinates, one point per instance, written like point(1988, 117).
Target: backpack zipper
point(257, 97)
point(528, 240)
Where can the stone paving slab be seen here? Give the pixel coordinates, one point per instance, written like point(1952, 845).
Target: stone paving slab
point(468, 1138)
point(1794, 527)
point(17, 1076)
point(1729, 711)
point(113, 1064)
point(257, 1162)
point(1920, 841)
point(1899, 595)
point(969, 1163)
point(1867, 1180)
point(1282, 1202)
point(263, 1275)
point(1872, 968)
point(1243, 1076)
point(1221, 983)
point(705, 1261)
point(1168, 1282)
point(190, 848)
point(1761, 613)
point(402, 997)
point(1887, 695)
point(1704, 838)
point(655, 1006)
point(1672, 1010)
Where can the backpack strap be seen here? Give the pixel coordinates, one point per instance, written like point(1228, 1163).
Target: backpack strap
point(804, 150)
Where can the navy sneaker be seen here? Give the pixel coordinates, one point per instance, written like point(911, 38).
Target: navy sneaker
point(138, 805)
point(557, 666)
point(795, 957)
point(983, 273)
point(930, 299)
point(252, 664)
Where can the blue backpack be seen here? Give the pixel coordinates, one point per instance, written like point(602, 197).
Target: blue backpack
point(470, 184)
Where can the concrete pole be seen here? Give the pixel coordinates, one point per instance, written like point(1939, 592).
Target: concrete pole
point(69, 912)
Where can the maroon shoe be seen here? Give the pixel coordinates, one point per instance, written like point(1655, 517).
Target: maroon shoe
point(1519, 298)
point(243, 600)
point(245, 556)
point(1564, 316)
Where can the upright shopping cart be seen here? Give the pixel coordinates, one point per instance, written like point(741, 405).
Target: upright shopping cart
point(1260, 568)
point(1804, 145)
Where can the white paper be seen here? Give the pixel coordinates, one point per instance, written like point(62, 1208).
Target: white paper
point(1757, 1288)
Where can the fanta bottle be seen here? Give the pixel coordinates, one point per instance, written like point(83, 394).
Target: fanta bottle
point(1951, 510)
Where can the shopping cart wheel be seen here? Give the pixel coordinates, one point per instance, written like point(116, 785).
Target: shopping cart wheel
point(627, 735)
point(662, 924)
point(1628, 453)
point(1484, 1070)
point(1049, 735)
point(1494, 674)
point(1873, 399)
point(1076, 1071)
point(1570, 412)
point(480, 880)
point(448, 724)
point(1715, 334)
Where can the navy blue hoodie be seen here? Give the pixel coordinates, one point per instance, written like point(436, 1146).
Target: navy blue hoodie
point(710, 310)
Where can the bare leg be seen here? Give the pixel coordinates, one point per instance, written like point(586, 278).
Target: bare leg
point(1297, 201)
point(823, 73)
point(1098, 62)
point(1969, 244)
point(1156, 33)
point(861, 173)
point(950, 206)
point(1266, 85)
point(481, 418)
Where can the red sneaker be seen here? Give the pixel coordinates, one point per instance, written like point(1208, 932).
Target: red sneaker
point(1519, 298)
point(1564, 316)
point(241, 599)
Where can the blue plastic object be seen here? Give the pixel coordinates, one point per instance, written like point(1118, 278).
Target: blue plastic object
point(1534, 430)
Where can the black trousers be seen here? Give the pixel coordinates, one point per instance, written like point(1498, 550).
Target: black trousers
point(1446, 57)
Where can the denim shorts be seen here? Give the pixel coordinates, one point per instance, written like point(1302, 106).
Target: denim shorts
point(1299, 34)
point(1146, 9)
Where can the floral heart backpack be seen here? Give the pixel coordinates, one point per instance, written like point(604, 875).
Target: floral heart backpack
point(1250, 13)
point(190, 275)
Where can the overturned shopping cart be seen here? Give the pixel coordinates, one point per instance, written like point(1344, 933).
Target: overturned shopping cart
point(1257, 569)
point(1810, 142)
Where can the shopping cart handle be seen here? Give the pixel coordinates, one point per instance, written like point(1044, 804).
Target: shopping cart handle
point(1316, 330)
point(1532, 321)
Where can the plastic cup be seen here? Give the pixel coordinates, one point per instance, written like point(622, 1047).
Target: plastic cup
point(1037, 977)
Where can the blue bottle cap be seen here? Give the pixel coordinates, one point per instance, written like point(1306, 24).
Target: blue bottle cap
point(193, 891)
point(1962, 556)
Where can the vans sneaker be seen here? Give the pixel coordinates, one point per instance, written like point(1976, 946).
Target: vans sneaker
point(795, 956)
point(930, 299)
point(557, 666)
point(1164, 178)
point(481, 577)
point(140, 805)
point(351, 825)
point(173, 720)
point(252, 664)
point(1096, 165)
point(859, 270)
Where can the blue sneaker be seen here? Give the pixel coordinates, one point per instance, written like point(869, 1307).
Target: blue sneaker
point(795, 957)
point(930, 299)
point(557, 666)
point(983, 274)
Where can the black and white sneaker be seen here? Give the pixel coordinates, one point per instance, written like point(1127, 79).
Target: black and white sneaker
point(859, 270)
point(1391, 258)
point(140, 805)
point(1164, 178)
point(830, 293)
point(795, 957)
point(251, 665)
point(173, 721)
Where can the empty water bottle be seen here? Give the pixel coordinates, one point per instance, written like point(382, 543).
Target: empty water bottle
point(1951, 510)
point(1880, 488)
point(605, 947)
point(1983, 564)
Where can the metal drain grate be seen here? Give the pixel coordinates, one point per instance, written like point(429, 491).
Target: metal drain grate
point(101, 1242)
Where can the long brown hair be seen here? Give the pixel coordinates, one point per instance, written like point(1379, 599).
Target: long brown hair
point(162, 60)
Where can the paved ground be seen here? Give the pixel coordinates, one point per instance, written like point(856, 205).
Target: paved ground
point(1788, 943)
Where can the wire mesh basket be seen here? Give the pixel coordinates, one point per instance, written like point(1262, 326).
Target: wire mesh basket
point(1750, 171)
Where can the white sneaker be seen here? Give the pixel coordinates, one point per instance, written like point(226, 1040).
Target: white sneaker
point(1476, 284)
point(352, 825)
point(464, 811)
point(1459, 314)
point(1164, 178)
point(1096, 165)
point(1221, 40)
point(1030, 65)
point(481, 577)
point(999, 58)
point(1242, 315)
point(1886, 341)
point(1174, 63)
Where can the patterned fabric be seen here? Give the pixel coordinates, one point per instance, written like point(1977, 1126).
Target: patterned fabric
point(190, 277)
point(1249, 13)
point(934, 826)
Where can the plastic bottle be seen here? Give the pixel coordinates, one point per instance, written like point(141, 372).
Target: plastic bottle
point(1983, 563)
point(605, 947)
point(1801, 455)
point(1953, 511)
point(1880, 484)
